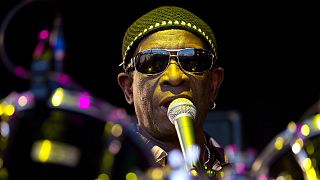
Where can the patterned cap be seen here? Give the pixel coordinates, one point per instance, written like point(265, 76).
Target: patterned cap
point(161, 18)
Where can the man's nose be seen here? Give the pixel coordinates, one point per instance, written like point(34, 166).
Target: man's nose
point(174, 75)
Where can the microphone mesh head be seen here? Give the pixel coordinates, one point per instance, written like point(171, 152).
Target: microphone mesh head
point(181, 106)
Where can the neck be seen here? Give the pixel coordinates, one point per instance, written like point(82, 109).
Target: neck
point(166, 143)
point(170, 142)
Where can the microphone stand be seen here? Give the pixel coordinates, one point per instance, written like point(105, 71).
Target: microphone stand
point(40, 66)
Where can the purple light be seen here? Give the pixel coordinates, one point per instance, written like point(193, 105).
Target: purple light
point(263, 177)
point(38, 50)
point(44, 34)
point(117, 114)
point(20, 71)
point(299, 129)
point(64, 79)
point(84, 101)
point(241, 168)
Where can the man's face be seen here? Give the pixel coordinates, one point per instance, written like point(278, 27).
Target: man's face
point(151, 95)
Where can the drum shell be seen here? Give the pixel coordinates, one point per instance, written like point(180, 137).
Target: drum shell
point(68, 141)
point(297, 157)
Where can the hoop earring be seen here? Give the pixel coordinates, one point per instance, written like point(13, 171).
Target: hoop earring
point(213, 105)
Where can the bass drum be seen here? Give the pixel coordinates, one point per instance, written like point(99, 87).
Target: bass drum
point(70, 135)
point(293, 154)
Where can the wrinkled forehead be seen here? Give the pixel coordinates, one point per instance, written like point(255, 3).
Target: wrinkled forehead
point(171, 39)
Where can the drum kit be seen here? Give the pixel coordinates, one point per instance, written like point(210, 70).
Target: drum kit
point(293, 153)
point(58, 130)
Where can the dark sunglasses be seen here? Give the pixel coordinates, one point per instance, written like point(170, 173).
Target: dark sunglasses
point(155, 61)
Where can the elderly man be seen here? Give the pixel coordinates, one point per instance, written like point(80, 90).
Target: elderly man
point(170, 53)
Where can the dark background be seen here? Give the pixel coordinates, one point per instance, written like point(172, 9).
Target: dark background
point(269, 51)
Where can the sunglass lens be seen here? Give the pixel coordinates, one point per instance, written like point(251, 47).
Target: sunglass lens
point(195, 60)
point(152, 62)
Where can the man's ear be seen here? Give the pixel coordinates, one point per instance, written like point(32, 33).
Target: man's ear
point(125, 82)
point(217, 76)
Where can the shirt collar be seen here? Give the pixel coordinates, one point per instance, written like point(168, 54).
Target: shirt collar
point(217, 156)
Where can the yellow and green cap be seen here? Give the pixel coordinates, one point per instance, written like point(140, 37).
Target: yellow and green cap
point(161, 18)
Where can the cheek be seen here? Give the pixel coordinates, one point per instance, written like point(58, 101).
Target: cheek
point(143, 99)
point(207, 85)
point(201, 85)
point(138, 89)
point(142, 90)
point(201, 90)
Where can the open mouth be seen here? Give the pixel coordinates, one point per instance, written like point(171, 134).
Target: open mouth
point(166, 103)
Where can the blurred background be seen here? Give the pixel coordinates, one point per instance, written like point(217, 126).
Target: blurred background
point(269, 51)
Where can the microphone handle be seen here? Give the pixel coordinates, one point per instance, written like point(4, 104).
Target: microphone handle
point(185, 131)
point(184, 127)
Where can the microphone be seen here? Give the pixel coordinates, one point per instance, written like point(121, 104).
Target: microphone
point(181, 113)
